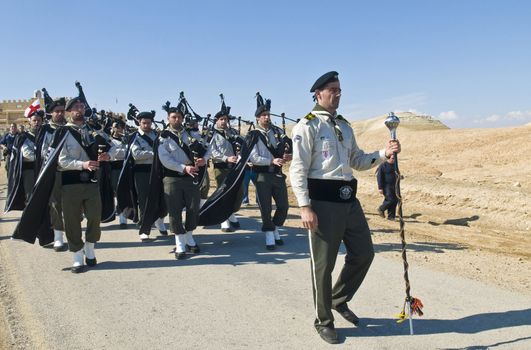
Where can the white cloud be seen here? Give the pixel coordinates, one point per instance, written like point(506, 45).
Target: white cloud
point(519, 115)
point(510, 118)
point(448, 115)
point(493, 118)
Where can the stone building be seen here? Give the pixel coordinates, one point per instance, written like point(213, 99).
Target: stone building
point(12, 111)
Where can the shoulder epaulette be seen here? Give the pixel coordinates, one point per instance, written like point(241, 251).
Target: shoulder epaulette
point(310, 116)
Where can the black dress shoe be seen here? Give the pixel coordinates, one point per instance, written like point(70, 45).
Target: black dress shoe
point(279, 242)
point(91, 262)
point(328, 334)
point(235, 224)
point(61, 248)
point(347, 314)
point(270, 247)
point(180, 256)
point(78, 269)
point(230, 229)
point(122, 226)
point(193, 249)
point(163, 233)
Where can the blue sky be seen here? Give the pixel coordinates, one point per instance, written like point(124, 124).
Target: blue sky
point(465, 62)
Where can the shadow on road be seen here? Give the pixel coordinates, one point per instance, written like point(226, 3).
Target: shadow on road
point(456, 222)
point(418, 247)
point(490, 346)
point(373, 327)
point(238, 248)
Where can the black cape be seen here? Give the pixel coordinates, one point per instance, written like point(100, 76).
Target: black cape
point(36, 216)
point(155, 203)
point(16, 195)
point(126, 195)
point(224, 201)
point(39, 144)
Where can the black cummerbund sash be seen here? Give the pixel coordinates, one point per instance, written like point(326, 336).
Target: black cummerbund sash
point(272, 169)
point(224, 165)
point(170, 173)
point(333, 190)
point(142, 168)
point(28, 165)
point(117, 164)
point(72, 177)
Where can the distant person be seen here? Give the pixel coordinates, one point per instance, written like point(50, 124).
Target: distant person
point(21, 128)
point(386, 178)
point(249, 176)
point(6, 143)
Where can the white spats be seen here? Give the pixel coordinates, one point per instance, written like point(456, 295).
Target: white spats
point(57, 239)
point(225, 224)
point(233, 218)
point(190, 239)
point(160, 225)
point(89, 250)
point(277, 234)
point(78, 258)
point(180, 243)
point(269, 238)
point(144, 237)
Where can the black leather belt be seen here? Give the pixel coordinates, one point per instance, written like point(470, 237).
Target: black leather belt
point(333, 190)
point(170, 173)
point(72, 177)
point(272, 169)
point(144, 168)
point(28, 165)
point(223, 165)
point(118, 164)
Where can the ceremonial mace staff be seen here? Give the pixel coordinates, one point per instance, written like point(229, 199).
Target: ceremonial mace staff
point(413, 305)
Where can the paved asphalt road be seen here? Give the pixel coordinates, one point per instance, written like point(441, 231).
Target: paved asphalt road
point(234, 295)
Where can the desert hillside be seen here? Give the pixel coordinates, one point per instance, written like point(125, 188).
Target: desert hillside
point(479, 179)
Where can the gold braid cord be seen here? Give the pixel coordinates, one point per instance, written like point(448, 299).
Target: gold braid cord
point(414, 303)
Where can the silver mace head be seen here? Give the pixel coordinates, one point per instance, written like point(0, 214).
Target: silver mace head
point(392, 122)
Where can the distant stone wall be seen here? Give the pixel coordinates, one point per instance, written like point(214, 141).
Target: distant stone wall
point(12, 111)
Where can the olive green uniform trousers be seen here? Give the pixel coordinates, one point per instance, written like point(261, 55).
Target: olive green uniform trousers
point(338, 222)
point(180, 193)
point(78, 199)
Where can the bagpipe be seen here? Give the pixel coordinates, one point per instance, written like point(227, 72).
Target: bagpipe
point(284, 143)
point(195, 145)
point(47, 102)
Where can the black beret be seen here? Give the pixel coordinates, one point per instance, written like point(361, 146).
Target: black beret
point(325, 79)
point(145, 115)
point(60, 102)
point(171, 110)
point(221, 114)
point(71, 102)
point(261, 109)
